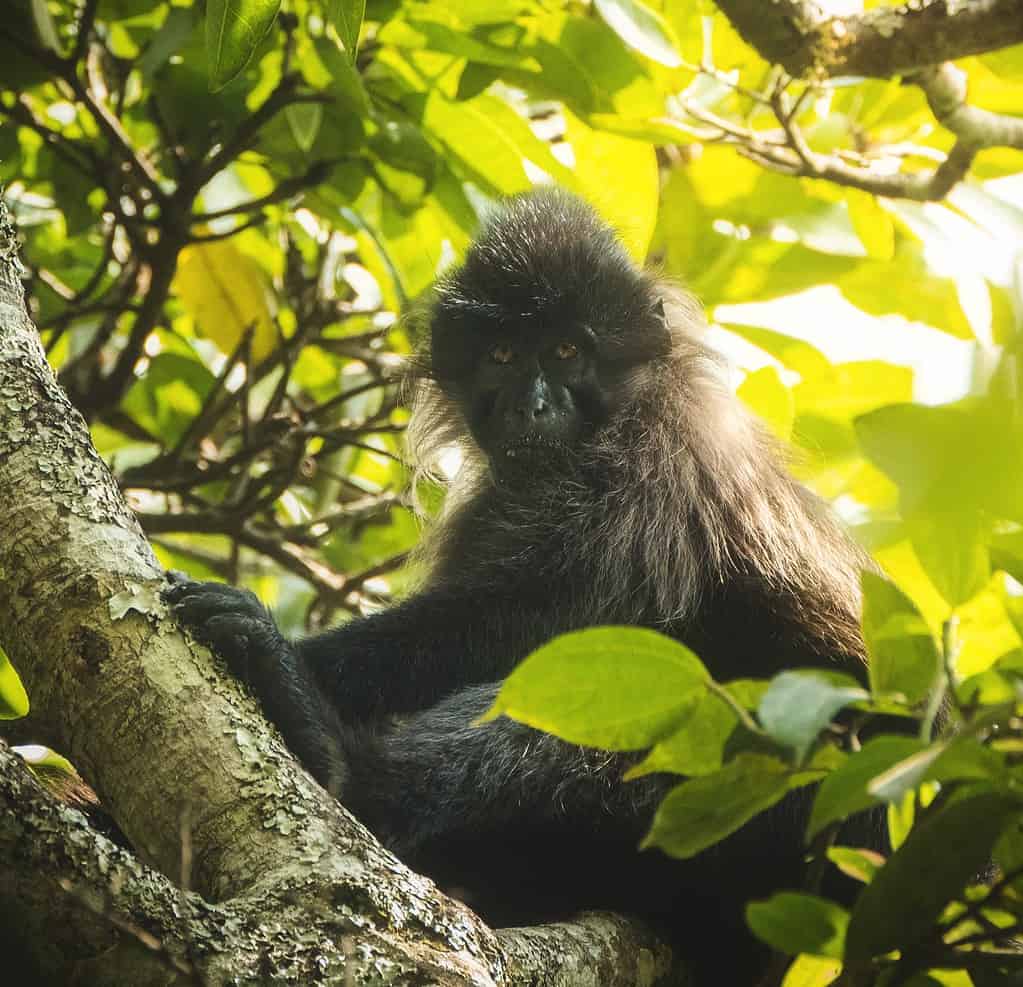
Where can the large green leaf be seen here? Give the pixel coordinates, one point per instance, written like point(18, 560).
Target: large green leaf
point(845, 790)
point(492, 141)
point(903, 655)
point(899, 907)
point(346, 16)
point(619, 176)
point(585, 61)
point(226, 292)
point(799, 923)
point(707, 731)
point(620, 688)
point(702, 811)
point(798, 705)
point(642, 28)
point(437, 29)
point(949, 459)
point(233, 30)
point(764, 392)
point(13, 699)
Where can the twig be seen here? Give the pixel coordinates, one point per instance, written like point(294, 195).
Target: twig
point(83, 29)
point(316, 174)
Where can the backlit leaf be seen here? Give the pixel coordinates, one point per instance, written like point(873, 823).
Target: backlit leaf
point(346, 16)
point(702, 811)
point(898, 908)
point(620, 688)
point(13, 699)
point(642, 28)
point(233, 30)
point(619, 176)
point(226, 293)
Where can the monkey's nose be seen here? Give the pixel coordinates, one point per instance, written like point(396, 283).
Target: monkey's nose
point(534, 409)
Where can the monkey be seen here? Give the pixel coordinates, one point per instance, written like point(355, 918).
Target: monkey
point(609, 476)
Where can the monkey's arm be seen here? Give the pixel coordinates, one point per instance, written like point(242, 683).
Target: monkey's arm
point(401, 660)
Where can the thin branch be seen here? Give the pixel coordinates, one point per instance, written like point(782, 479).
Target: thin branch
point(79, 156)
point(83, 29)
point(287, 189)
point(252, 221)
point(283, 95)
point(206, 415)
point(111, 127)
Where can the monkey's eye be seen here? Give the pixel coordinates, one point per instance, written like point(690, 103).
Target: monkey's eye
point(565, 351)
point(502, 353)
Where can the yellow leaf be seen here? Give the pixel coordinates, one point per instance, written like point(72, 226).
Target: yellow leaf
point(225, 292)
point(765, 394)
point(618, 176)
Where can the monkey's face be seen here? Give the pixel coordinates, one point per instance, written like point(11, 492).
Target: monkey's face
point(533, 397)
point(538, 336)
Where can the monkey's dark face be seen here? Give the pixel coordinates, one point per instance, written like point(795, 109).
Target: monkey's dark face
point(533, 396)
point(537, 335)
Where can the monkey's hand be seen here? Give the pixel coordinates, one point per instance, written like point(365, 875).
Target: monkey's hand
point(230, 621)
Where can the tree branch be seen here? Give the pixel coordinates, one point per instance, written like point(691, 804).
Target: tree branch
point(883, 42)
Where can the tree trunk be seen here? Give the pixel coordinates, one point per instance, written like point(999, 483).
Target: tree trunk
point(287, 887)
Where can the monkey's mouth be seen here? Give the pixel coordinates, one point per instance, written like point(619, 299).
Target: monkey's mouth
point(533, 447)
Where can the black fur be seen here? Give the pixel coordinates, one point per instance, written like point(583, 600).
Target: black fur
point(660, 504)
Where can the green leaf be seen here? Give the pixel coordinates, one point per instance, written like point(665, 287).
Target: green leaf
point(792, 352)
point(491, 140)
point(940, 856)
point(903, 657)
point(799, 704)
point(619, 176)
point(878, 288)
point(620, 688)
point(351, 93)
point(953, 549)
point(45, 761)
point(13, 698)
point(855, 862)
point(799, 923)
point(845, 790)
point(437, 29)
point(346, 16)
point(766, 395)
point(873, 225)
point(584, 63)
point(698, 747)
point(899, 819)
point(304, 119)
point(233, 30)
point(812, 971)
point(912, 444)
point(641, 28)
point(702, 811)
point(226, 292)
point(845, 390)
point(962, 759)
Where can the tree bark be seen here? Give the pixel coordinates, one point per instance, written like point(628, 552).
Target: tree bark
point(288, 886)
point(884, 42)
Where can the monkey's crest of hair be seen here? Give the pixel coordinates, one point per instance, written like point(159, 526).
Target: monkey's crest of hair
point(689, 488)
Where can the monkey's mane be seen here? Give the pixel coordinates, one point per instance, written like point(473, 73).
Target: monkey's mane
point(680, 493)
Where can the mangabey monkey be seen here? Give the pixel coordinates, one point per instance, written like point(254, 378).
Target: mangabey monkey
point(610, 477)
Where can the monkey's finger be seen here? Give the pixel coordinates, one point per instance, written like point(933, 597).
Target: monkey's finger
point(199, 602)
point(178, 583)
